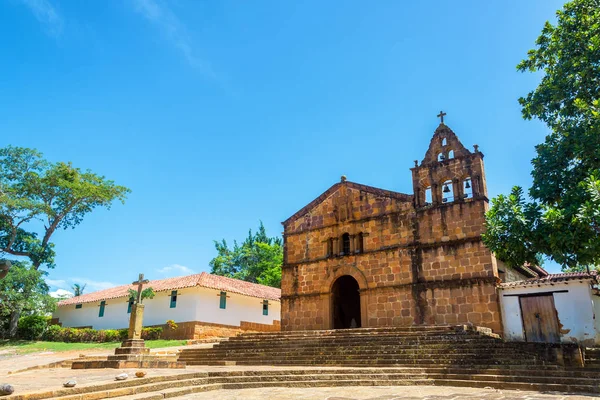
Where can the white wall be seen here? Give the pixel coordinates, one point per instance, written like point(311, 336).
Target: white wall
point(574, 308)
point(239, 308)
point(193, 304)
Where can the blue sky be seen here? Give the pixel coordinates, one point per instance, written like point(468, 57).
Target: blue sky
point(218, 114)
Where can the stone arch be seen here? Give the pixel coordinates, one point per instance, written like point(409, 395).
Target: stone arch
point(447, 192)
point(346, 270)
point(327, 297)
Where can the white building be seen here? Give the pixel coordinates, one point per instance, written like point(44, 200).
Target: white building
point(200, 304)
point(558, 308)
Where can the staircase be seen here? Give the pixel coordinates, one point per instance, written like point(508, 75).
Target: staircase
point(160, 387)
point(453, 355)
point(444, 356)
point(386, 347)
point(592, 358)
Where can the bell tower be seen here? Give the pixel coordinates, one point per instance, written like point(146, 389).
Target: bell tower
point(449, 173)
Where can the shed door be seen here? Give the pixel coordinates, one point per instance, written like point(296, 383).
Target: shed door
point(539, 319)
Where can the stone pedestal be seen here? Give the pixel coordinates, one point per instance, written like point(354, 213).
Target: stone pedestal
point(132, 354)
point(136, 322)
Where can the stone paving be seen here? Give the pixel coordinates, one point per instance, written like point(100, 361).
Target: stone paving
point(51, 378)
point(381, 393)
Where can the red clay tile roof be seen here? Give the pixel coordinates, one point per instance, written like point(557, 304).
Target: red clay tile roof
point(202, 280)
point(357, 186)
point(551, 278)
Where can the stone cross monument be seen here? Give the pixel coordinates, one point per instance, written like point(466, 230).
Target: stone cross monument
point(137, 311)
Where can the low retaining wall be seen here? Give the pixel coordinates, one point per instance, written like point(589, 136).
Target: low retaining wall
point(197, 329)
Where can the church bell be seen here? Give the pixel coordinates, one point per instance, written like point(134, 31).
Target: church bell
point(446, 189)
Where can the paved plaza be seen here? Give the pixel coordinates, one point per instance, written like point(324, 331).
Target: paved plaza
point(52, 378)
point(381, 393)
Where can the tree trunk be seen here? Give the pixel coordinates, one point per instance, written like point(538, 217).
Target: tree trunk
point(14, 321)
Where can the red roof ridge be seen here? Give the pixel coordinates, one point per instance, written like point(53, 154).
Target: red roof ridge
point(202, 279)
point(560, 277)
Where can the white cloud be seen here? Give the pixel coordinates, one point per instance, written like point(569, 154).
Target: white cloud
point(61, 294)
point(92, 286)
point(175, 270)
point(46, 14)
point(161, 16)
point(58, 283)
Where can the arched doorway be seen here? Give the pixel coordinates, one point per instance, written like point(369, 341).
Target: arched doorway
point(345, 303)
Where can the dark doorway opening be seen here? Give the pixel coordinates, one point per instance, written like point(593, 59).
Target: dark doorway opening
point(346, 303)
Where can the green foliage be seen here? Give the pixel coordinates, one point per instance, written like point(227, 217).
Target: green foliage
point(78, 289)
point(35, 192)
point(171, 324)
point(24, 290)
point(147, 293)
point(509, 229)
point(32, 327)
point(258, 259)
point(560, 213)
point(56, 333)
point(152, 333)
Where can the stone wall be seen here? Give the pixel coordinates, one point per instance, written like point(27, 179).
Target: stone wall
point(199, 330)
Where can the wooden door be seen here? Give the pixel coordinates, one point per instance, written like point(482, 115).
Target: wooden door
point(540, 320)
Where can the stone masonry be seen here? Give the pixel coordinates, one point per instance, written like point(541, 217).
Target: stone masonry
point(414, 259)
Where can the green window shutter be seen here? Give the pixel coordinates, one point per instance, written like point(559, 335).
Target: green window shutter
point(77, 306)
point(223, 302)
point(265, 307)
point(129, 305)
point(102, 306)
point(173, 299)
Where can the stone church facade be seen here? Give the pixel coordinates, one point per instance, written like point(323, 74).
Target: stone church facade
point(359, 256)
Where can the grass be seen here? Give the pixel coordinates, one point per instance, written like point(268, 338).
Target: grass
point(25, 346)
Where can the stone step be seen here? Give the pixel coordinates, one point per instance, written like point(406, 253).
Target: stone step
point(363, 350)
point(362, 362)
point(576, 378)
point(386, 340)
point(412, 328)
point(366, 353)
point(181, 390)
point(447, 335)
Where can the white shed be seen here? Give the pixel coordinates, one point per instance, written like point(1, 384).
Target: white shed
point(197, 303)
point(558, 308)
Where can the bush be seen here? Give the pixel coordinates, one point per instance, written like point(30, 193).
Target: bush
point(171, 324)
point(123, 334)
point(53, 333)
point(32, 327)
point(151, 333)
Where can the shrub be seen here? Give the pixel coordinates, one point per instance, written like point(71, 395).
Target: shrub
point(53, 333)
point(123, 333)
point(171, 324)
point(111, 335)
point(151, 333)
point(32, 327)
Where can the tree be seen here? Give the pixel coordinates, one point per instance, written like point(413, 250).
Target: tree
point(38, 197)
point(78, 289)
point(147, 293)
point(559, 216)
point(24, 290)
point(33, 190)
point(258, 259)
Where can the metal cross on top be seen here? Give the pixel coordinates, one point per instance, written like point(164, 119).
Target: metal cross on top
point(441, 116)
point(140, 282)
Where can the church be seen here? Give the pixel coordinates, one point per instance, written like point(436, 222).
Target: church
point(360, 256)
